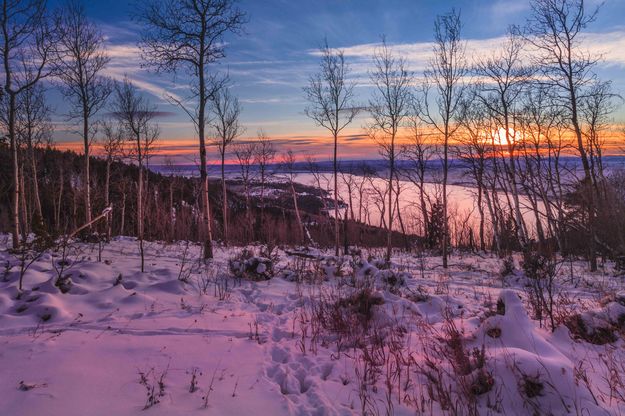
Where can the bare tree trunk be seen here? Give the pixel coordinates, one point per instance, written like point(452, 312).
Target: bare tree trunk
point(480, 209)
point(297, 214)
point(336, 193)
point(23, 207)
point(401, 222)
point(208, 237)
point(140, 209)
point(35, 183)
point(225, 196)
point(15, 231)
point(86, 175)
point(389, 234)
point(445, 176)
point(57, 216)
point(171, 210)
point(248, 211)
point(122, 225)
point(107, 197)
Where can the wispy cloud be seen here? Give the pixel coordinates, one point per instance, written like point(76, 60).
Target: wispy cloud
point(126, 62)
point(610, 46)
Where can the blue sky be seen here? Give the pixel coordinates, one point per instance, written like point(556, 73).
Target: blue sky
point(271, 62)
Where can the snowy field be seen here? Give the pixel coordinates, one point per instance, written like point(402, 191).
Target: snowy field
point(324, 336)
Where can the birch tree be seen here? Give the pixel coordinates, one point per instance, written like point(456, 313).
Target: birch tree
point(504, 77)
point(26, 42)
point(189, 36)
point(136, 116)
point(264, 156)
point(226, 128)
point(245, 153)
point(388, 108)
point(444, 80)
point(80, 62)
point(34, 132)
point(331, 105)
point(555, 29)
point(113, 146)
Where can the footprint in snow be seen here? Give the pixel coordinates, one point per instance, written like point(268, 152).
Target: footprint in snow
point(280, 355)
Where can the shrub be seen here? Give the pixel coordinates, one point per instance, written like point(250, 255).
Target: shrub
point(540, 270)
point(248, 266)
point(507, 267)
point(362, 303)
point(531, 386)
point(580, 330)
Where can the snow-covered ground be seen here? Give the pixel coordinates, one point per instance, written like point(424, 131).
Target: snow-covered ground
point(325, 336)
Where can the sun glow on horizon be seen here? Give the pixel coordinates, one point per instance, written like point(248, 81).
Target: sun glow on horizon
point(500, 138)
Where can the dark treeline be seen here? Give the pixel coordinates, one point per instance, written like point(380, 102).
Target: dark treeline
point(171, 205)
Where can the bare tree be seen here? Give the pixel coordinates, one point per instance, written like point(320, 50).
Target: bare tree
point(596, 108)
point(330, 96)
point(445, 76)
point(320, 180)
point(226, 128)
point(113, 146)
point(135, 114)
point(265, 154)
point(79, 63)
point(34, 127)
point(189, 35)
point(389, 107)
point(418, 153)
point(245, 153)
point(503, 78)
point(555, 29)
point(25, 48)
point(474, 150)
point(290, 172)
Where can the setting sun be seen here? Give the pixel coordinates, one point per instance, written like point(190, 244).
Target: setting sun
point(500, 138)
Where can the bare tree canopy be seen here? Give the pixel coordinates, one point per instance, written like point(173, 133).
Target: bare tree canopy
point(555, 29)
point(189, 35)
point(330, 96)
point(135, 115)
point(79, 63)
point(389, 107)
point(444, 77)
point(225, 111)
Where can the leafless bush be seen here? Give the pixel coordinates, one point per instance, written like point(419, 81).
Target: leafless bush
point(420, 294)
point(254, 333)
point(186, 267)
point(195, 373)
point(304, 270)
point(154, 384)
point(455, 375)
point(614, 375)
point(68, 253)
point(541, 271)
point(209, 390)
point(27, 254)
point(507, 267)
point(223, 288)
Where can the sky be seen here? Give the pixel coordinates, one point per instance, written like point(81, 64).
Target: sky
point(271, 62)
